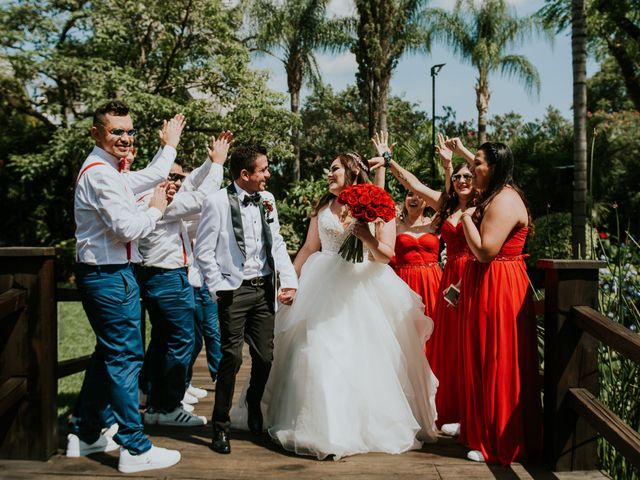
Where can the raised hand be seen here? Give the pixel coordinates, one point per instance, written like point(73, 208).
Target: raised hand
point(159, 197)
point(219, 148)
point(172, 130)
point(444, 151)
point(375, 163)
point(454, 144)
point(381, 142)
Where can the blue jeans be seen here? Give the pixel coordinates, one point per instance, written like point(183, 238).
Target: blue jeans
point(168, 297)
point(111, 300)
point(207, 327)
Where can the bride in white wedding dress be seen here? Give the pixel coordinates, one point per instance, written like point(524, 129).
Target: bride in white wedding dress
point(349, 373)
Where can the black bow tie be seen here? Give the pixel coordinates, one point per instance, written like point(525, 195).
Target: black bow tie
point(255, 199)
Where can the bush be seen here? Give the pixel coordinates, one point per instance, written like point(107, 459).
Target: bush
point(552, 238)
point(294, 210)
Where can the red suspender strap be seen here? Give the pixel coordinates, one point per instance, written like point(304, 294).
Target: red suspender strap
point(80, 176)
point(87, 168)
point(184, 250)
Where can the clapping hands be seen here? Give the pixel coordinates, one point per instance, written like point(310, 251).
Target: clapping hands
point(172, 130)
point(219, 148)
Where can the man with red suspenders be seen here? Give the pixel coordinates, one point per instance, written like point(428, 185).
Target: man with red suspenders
point(108, 223)
point(167, 293)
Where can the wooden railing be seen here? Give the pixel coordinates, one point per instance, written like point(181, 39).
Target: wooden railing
point(28, 353)
point(573, 416)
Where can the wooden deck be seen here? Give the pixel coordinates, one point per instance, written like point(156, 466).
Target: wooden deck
point(260, 458)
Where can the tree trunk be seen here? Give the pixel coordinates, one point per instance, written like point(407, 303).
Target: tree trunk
point(383, 103)
point(295, 135)
point(579, 57)
point(483, 96)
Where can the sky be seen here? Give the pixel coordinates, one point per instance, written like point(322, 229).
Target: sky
point(455, 82)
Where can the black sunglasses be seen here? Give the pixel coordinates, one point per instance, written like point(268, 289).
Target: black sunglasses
point(119, 132)
point(174, 177)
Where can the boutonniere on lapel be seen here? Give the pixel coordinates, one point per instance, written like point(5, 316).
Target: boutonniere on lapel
point(268, 211)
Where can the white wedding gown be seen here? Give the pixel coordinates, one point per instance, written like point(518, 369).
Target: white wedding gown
point(349, 373)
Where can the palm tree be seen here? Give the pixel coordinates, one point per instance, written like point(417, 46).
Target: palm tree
point(386, 30)
point(481, 33)
point(292, 31)
point(579, 57)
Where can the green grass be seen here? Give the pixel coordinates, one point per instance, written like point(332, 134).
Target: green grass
point(75, 339)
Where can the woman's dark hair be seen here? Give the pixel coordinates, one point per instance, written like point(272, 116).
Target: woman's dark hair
point(243, 157)
point(356, 171)
point(500, 158)
point(116, 108)
point(449, 200)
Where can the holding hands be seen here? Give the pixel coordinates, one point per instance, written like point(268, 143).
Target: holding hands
point(286, 295)
point(172, 130)
point(218, 148)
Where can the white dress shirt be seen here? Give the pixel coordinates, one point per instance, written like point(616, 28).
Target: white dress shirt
point(168, 245)
point(255, 264)
point(107, 220)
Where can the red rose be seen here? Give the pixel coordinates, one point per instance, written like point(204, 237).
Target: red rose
point(370, 215)
point(357, 211)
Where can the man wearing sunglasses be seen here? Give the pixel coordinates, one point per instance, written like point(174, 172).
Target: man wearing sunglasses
point(108, 223)
point(168, 295)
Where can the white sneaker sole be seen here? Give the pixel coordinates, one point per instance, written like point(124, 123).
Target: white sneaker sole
point(143, 467)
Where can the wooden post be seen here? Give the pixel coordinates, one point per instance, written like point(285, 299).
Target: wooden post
point(570, 360)
point(28, 424)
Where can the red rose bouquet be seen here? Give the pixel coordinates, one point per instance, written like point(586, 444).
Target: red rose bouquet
point(366, 203)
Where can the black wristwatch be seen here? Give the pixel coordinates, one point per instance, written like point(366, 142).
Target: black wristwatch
point(387, 159)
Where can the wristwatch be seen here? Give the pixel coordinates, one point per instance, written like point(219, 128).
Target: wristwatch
point(387, 159)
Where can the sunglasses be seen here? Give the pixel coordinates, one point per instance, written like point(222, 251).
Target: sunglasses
point(119, 132)
point(458, 177)
point(174, 177)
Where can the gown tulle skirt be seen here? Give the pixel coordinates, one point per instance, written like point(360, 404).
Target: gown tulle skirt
point(349, 374)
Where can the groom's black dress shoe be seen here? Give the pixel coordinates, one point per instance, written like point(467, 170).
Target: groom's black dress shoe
point(254, 420)
point(220, 442)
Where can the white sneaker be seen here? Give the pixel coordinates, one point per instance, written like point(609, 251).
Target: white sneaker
point(451, 429)
point(190, 399)
point(197, 392)
point(111, 431)
point(78, 448)
point(178, 418)
point(186, 407)
point(475, 456)
point(150, 460)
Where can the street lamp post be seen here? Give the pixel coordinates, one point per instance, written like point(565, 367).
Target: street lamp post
point(434, 71)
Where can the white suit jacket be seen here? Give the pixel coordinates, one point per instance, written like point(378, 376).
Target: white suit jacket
point(218, 255)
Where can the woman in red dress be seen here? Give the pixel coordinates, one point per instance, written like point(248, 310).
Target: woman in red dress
point(501, 414)
point(416, 252)
point(443, 348)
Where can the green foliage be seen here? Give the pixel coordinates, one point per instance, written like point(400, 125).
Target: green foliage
point(619, 377)
point(613, 30)
point(552, 238)
point(294, 210)
point(386, 30)
point(481, 34)
point(160, 58)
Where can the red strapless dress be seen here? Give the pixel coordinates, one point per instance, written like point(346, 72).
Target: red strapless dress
point(416, 262)
point(444, 347)
point(501, 414)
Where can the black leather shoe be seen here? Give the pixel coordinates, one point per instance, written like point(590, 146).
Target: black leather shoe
point(220, 442)
point(254, 418)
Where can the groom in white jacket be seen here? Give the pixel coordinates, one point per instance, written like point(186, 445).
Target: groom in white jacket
point(243, 258)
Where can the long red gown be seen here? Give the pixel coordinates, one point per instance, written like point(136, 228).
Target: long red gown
point(501, 414)
point(444, 346)
point(416, 262)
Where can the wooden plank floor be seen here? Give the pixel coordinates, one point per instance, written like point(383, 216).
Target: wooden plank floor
point(259, 458)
